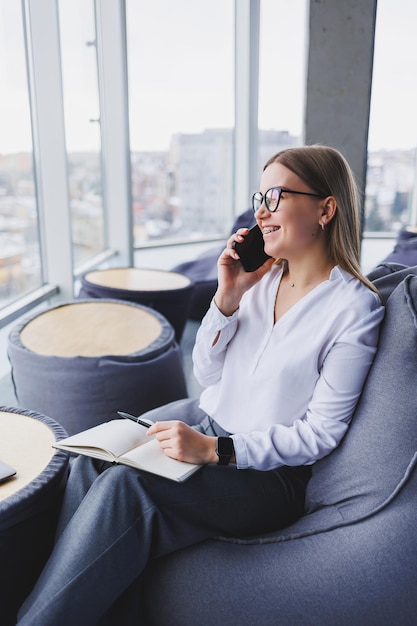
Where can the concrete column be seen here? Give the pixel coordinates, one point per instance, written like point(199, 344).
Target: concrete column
point(339, 78)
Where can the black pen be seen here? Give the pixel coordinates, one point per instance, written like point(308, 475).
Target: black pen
point(134, 419)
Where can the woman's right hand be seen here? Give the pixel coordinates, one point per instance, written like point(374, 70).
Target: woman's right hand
point(233, 281)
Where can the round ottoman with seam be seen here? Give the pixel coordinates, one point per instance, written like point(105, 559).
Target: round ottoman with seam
point(29, 502)
point(203, 273)
point(167, 292)
point(405, 249)
point(81, 362)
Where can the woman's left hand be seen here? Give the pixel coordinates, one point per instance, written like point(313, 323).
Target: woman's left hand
point(180, 441)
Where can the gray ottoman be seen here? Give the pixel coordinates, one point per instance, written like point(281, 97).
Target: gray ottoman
point(83, 361)
point(167, 292)
point(29, 502)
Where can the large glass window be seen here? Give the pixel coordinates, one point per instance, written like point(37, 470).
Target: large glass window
point(282, 57)
point(82, 126)
point(20, 261)
point(181, 101)
point(392, 171)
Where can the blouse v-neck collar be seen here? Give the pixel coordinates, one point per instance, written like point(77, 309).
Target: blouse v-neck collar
point(336, 273)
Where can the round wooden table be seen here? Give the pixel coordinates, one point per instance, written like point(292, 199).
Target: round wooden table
point(29, 502)
point(92, 329)
point(83, 361)
point(167, 292)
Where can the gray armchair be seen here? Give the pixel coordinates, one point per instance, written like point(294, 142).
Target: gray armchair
point(352, 558)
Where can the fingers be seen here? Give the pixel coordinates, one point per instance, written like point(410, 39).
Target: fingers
point(168, 433)
point(163, 430)
point(169, 438)
point(239, 235)
point(180, 441)
point(229, 251)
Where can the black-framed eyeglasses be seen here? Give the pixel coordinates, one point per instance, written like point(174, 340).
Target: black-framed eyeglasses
point(273, 196)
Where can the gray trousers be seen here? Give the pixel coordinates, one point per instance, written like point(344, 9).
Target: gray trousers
point(115, 519)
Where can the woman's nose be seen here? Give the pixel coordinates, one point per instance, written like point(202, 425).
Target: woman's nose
point(262, 211)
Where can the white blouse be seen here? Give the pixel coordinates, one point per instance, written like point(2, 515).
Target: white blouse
point(287, 390)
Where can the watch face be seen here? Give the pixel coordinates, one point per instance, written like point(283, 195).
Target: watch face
point(225, 446)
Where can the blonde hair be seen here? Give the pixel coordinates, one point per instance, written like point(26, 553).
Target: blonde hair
point(327, 173)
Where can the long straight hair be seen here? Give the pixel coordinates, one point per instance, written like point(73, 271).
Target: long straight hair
point(327, 173)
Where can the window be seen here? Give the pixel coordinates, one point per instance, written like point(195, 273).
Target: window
point(82, 127)
point(392, 171)
point(181, 101)
point(282, 51)
point(20, 261)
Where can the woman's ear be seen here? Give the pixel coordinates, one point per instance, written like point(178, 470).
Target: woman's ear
point(329, 208)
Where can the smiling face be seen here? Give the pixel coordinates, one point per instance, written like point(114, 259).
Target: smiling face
point(294, 227)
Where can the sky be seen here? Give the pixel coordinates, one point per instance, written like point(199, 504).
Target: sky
point(181, 71)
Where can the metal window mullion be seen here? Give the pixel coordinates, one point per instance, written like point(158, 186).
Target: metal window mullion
point(114, 123)
point(247, 16)
point(47, 109)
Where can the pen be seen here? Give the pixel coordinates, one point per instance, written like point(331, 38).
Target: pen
point(134, 419)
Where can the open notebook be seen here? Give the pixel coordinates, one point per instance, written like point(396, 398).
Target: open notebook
point(124, 441)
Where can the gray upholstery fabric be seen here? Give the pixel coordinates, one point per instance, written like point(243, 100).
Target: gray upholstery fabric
point(405, 249)
point(387, 276)
point(203, 272)
point(379, 452)
point(81, 392)
point(351, 559)
point(173, 304)
point(27, 525)
point(359, 575)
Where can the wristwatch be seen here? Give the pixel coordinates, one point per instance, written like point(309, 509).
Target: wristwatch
point(224, 450)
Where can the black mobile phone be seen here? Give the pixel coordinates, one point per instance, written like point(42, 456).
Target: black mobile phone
point(251, 250)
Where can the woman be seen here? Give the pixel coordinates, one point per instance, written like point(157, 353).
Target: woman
point(283, 353)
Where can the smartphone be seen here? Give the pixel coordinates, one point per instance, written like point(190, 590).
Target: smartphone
point(251, 250)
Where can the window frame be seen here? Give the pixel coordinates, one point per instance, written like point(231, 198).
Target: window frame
point(46, 97)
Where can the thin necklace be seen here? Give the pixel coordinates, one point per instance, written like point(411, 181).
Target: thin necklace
point(293, 284)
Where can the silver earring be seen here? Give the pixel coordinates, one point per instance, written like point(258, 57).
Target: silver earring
point(322, 226)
